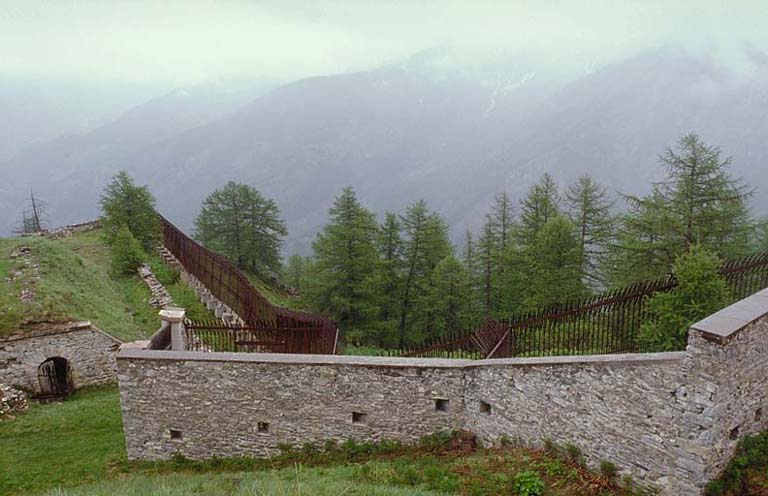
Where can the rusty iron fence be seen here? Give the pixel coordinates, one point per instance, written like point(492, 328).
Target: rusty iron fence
point(220, 336)
point(228, 283)
point(604, 324)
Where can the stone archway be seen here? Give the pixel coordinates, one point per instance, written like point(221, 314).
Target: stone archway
point(54, 377)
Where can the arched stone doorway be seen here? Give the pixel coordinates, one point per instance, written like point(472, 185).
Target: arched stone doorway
point(55, 378)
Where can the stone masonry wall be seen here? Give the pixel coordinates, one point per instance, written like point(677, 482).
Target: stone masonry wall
point(232, 396)
point(672, 420)
point(615, 408)
point(91, 354)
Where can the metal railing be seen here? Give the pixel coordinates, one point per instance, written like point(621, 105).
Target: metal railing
point(604, 324)
point(228, 283)
point(221, 336)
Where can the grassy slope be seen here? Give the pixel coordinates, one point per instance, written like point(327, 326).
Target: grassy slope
point(76, 448)
point(76, 283)
point(274, 295)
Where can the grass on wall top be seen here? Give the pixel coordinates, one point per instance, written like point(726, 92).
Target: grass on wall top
point(75, 282)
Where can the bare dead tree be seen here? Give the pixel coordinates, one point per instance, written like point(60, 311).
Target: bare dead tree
point(34, 216)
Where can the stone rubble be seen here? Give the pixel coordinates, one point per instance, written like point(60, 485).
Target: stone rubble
point(161, 298)
point(28, 274)
point(12, 401)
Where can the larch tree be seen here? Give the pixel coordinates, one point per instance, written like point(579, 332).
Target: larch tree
point(390, 277)
point(345, 267)
point(123, 203)
point(238, 222)
point(554, 259)
point(589, 208)
point(425, 244)
point(698, 203)
point(539, 206)
point(450, 296)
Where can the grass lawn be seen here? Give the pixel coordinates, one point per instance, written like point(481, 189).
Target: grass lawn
point(76, 283)
point(75, 448)
point(61, 443)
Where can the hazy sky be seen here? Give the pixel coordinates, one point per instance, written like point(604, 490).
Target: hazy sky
point(192, 41)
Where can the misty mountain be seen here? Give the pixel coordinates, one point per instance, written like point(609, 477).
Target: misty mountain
point(397, 134)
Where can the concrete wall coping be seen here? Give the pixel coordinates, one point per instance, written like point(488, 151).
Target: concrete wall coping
point(135, 353)
point(721, 326)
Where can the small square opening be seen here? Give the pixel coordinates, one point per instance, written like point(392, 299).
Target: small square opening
point(442, 404)
point(176, 435)
point(359, 418)
point(263, 426)
point(485, 408)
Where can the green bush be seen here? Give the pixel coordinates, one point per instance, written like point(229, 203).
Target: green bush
point(700, 291)
point(751, 453)
point(528, 483)
point(127, 253)
point(608, 470)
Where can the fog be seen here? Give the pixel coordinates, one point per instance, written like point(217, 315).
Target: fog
point(176, 43)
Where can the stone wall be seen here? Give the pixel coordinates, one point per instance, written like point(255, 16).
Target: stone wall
point(248, 404)
point(91, 354)
point(671, 420)
point(612, 407)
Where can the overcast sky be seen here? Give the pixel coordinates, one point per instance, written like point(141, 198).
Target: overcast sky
point(193, 41)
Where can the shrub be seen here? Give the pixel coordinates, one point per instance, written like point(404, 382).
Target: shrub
point(751, 453)
point(701, 291)
point(127, 253)
point(528, 483)
point(608, 470)
point(573, 453)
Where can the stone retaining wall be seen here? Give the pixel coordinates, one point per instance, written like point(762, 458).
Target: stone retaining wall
point(90, 351)
point(670, 419)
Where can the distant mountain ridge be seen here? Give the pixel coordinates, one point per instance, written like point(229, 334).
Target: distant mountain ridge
point(396, 135)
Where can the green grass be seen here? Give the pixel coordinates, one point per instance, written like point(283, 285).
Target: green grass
point(274, 295)
point(77, 283)
point(61, 443)
point(75, 448)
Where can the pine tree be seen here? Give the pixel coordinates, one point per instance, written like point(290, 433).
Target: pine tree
point(345, 267)
point(541, 204)
point(125, 204)
point(760, 236)
point(425, 245)
point(239, 223)
point(555, 265)
point(699, 202)
point(503, 221)
point(589, 208)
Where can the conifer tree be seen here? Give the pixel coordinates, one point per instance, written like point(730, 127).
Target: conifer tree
point(554, 259)
point(449, 296)
point(701, 291)
point(699, 202)
point(238, 222)
point(123, 204)
point(345, 266)
point(390, 278)
point(540, 205)
point(294, 273)
point(487, 261)
point(425, 245)
point(589, 208)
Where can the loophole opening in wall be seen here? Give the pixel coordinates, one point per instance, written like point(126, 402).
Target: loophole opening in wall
point(359, 417)
point(758, 414)
point(442, 404)
point(485, 408)
point(176, 435)
point(263, 426)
